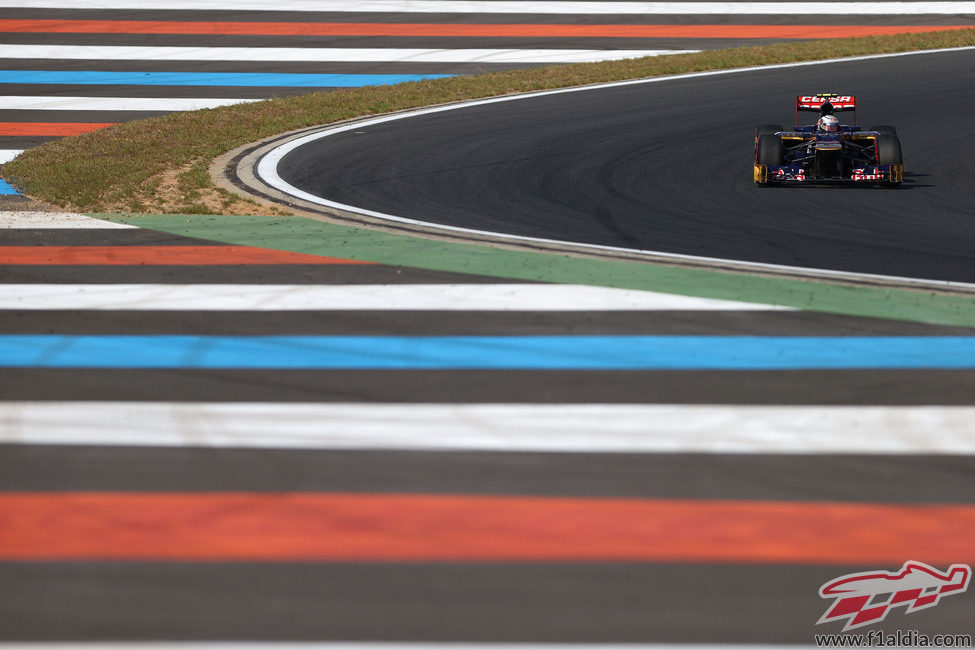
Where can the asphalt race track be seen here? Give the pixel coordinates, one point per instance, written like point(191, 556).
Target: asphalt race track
point(666, 167)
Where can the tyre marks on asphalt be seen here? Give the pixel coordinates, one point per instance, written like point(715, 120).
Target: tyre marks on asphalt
point(108, 61)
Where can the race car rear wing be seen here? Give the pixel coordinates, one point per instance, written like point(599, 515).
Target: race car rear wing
point(833, 102)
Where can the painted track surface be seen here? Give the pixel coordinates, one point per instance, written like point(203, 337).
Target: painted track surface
point(164, 433)
point(482, 505)
point(665, 166)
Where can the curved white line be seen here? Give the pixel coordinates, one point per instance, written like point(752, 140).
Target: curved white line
point(267, 171)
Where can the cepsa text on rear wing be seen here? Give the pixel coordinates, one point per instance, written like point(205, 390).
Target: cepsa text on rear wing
point(826, 104)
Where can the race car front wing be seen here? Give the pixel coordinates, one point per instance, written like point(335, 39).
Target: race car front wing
point(796, 173)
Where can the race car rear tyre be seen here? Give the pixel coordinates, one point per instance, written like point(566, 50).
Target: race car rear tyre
point(889, 153)
point(769, 150)
point(884, 129)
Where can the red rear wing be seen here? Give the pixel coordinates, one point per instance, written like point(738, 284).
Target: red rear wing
point(813, 103)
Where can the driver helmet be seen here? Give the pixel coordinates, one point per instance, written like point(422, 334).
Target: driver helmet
point(828, 123)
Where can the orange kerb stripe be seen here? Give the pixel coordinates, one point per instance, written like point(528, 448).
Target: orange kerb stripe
point(418, 527)
point(160, 255)
point(50, 128)
point(425, 29)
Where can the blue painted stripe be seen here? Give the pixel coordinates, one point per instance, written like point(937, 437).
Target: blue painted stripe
point(487, 352)
point(5, 188)
point(94, 77)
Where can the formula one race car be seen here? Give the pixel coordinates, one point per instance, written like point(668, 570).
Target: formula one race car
point(828, 151)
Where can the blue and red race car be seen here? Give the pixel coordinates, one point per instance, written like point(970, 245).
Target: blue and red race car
point(827, 151)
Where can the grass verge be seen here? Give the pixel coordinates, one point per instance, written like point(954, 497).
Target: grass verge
point(158, 165)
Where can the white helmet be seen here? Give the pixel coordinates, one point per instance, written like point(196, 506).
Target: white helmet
point(828, 123)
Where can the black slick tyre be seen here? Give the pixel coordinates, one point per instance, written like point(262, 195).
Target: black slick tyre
point(769, 150)
point(889, 153)
point(765, 129)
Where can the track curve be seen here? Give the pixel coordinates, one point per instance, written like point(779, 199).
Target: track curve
point(666, 167)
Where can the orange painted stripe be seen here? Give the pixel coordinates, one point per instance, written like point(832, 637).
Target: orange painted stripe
point(50, 128)
point(420, 527)
point(427, 29)
point(161, 255)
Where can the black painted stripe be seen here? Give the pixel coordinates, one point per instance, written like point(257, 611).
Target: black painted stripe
point(618, 602)
point(104, 117)
point(15, 201)
point(93, 237)
point(456, 323)
point(97, 90)
point(24, 142)
point(798, 387)
point(790, 477)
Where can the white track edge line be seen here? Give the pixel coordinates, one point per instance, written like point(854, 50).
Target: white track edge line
point(267, 172)
point(68, 103)
point(324, 54)
point(12, 220)
point(568, 428)
point(382, 297)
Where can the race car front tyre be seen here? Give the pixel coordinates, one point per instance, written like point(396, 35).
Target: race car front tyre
point(769, 150)
point(889, 150)
point(889, 153)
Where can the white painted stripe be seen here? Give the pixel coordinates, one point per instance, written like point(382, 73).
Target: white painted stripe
point(523, 6)
point(47, 103)
point(274, 297)
point(267, 172)
point(319, 54)
point(6, 155)
point(620, 428)
point(54, 220)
